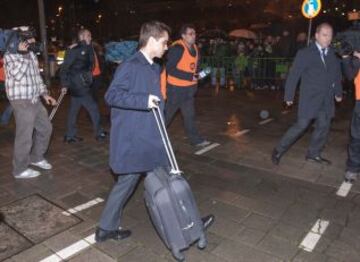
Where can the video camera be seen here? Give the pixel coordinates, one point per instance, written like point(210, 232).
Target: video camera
point(11, 38)
point(345, 43)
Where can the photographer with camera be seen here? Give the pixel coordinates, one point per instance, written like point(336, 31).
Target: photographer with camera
point(76, 75)
point(351, 65)
point(24, 87)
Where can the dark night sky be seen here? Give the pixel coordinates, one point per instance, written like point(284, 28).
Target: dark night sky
point(123, 17)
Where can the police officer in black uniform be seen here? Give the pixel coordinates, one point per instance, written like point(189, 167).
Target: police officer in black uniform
point(76, 76)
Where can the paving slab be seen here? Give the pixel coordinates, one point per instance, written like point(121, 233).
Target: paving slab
point(36, 218)
point(11, 242)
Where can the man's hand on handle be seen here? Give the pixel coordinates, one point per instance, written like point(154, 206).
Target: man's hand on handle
point(64, 90)
point(338, 99)
point(49, 100)
point(153, 101)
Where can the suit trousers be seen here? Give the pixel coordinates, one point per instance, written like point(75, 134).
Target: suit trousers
point(318, 138)
point(353, 161)
point(111, 215)
point(91, 107)
point(33, 131)
point(183, 98)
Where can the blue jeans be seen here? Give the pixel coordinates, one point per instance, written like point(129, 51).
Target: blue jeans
point(183, 98)
point(6, 115)
point(91, 107)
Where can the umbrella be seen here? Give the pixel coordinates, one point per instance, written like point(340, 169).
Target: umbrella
point(243, 33)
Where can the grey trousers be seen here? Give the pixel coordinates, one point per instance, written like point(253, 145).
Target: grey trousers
point(318, 138)
point(183, 98)
point(33, 131)
point(111, 215)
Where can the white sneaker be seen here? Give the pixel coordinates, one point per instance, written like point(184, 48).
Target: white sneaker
point(28, 173)
point(203, 143)
point(44, 164)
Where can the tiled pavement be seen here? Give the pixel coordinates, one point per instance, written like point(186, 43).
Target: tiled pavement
point(262, 212)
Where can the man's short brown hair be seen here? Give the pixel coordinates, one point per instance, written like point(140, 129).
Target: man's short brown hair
point(153, 29)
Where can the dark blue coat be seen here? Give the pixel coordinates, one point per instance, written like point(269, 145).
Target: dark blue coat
point(135, 141)
point(319, 84)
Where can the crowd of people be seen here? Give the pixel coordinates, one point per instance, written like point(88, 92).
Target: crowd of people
point(140, 84)
point(254, 60)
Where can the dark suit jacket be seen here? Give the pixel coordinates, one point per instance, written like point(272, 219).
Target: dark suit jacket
point(319, 83)
point(135, 141)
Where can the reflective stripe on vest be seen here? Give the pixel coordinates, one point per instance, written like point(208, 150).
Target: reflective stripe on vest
point(357, 86)
point(96, 70)
point(163, 83)
point(2, 71)
point(187, 63)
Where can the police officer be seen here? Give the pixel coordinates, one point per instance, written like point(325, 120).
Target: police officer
point(76, 76)
point(352, 71)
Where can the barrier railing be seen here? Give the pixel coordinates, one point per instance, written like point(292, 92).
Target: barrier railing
point(259, 71)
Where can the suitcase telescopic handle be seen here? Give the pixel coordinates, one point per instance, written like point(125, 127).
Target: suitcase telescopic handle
point(58, 102)
point(166, 140)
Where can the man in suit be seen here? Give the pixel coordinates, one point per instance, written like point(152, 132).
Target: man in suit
point(136, 147)
point(319, 70)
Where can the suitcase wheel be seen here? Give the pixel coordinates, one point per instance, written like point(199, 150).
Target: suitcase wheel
point(202, 243)
point(178, 255)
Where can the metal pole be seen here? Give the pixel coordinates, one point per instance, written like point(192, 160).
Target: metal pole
point(309, 31)
point(44, 40)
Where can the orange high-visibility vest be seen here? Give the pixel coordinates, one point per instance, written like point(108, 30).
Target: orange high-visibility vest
point(2, 71)
point(187, 63)
point(96, 70)
point(357, 86)
point(163, 83)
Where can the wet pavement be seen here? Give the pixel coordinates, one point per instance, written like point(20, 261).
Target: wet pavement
point(289, 212)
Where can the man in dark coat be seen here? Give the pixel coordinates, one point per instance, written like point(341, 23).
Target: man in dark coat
point(352, 71)
point(76, 75)
point(136, 147)
point(319, 70)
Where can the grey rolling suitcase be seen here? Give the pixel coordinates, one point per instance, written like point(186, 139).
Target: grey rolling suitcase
point(171, 204)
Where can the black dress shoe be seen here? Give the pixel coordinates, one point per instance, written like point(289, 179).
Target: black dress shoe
point(102, 235)
point(208, 221)
point(275, 157)
point(319, 160)
point(71, 140)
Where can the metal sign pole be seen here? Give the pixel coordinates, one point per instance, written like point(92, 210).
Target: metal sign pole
point(42, 22)
point(309, 31)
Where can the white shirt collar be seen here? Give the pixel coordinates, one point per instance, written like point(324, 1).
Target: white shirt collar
point(320, 48)
point(147, 57)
